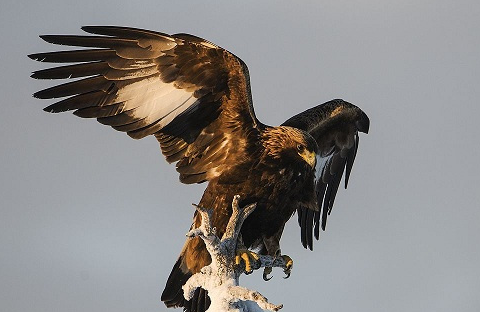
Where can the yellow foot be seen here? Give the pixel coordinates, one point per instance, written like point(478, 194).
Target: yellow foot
point(288, 265)
point(247, 256)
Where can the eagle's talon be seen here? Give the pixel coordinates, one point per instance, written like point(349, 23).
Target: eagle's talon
point(266, 272)
point(288, 265)
point(247, 256)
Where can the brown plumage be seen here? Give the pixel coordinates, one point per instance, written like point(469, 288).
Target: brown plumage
point(194, 97)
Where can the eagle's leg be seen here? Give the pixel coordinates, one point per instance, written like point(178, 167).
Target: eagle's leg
point(272, 245)
point(242, 253)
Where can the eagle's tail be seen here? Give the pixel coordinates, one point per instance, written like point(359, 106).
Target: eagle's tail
point(172, 295)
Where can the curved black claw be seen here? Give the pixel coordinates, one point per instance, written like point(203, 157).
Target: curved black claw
point(266, 272)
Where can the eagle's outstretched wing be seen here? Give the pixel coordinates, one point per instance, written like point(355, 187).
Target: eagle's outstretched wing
point(191, 94)
point(335, 126)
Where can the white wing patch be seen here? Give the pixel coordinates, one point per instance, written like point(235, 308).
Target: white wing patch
point(152, 100)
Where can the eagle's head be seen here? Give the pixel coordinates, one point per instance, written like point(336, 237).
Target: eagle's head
point(290, 145)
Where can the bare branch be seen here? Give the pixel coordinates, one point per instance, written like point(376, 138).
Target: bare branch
point(220, 278)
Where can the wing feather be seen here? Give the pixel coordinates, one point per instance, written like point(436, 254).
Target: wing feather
point(191, 94)
point(335, 126)
point(72, 71)
point(74, 56)
point(91, 84)
point(352, 153)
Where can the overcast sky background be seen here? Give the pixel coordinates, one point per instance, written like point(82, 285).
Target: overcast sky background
point(91, 220)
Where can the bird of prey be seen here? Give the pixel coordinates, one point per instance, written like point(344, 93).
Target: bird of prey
point(195, 98)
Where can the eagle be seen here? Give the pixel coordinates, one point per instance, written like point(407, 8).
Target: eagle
point(195, 98)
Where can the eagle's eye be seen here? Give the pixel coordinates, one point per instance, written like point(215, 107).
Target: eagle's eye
point(300, 148)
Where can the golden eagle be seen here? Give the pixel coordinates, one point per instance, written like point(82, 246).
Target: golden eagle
point(194, 97)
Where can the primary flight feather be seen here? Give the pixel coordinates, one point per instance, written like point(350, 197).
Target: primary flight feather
point(194, 97)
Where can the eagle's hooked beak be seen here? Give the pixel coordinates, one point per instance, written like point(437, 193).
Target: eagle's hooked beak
point(309, 157)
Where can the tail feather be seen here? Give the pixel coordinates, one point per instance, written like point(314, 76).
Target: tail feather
point(200, 301)
point(172, 295)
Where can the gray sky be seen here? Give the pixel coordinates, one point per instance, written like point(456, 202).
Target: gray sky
point(91, 220)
